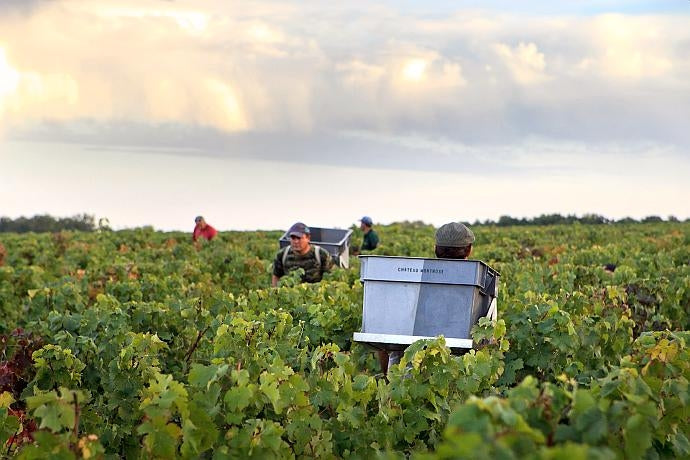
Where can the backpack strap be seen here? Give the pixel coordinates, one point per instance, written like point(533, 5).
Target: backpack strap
point(285, 254)
point(317, 253)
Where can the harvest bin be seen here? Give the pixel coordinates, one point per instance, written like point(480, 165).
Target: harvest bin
point(333, 240)
point(411, 298)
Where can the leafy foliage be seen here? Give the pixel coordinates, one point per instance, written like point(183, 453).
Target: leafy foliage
point(145, 346)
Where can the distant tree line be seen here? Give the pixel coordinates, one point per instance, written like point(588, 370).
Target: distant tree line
point(46, 223)
point(87, 222)
point(557, 219)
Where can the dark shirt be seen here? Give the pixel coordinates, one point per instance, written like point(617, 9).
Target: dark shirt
point(313, 272)
point(371, 240)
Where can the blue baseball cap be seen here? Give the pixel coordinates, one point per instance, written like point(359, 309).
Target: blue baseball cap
point(367, 220)
point(298, 229)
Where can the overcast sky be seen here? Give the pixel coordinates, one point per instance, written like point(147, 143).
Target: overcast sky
point(257, 114)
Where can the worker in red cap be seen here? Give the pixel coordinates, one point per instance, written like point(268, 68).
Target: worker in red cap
point(313, 259)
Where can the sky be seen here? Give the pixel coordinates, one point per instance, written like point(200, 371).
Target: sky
point(259, 114)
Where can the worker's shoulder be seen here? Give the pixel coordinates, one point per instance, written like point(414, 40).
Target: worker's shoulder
point(323, 252)
point(371, 236)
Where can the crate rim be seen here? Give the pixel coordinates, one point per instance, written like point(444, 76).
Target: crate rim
point(346, 237)
point(363, 256)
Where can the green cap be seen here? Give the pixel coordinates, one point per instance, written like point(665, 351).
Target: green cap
point(454, 235)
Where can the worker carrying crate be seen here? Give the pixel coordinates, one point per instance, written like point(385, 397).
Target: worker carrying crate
point(412, 298)
point(334, 240)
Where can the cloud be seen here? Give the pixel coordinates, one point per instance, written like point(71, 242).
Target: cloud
point(189, 21)
point(525, 62)
point(380, 151)
point(357, 73)
point(472, 77)
point(629, 48)
point(9, 77)
point(19, 6)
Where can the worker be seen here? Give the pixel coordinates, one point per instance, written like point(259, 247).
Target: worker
point(300, 253)
point(453, 241)
point(371, 238)
point(203, 230)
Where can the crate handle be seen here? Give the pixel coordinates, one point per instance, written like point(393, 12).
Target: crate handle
point(489, 287)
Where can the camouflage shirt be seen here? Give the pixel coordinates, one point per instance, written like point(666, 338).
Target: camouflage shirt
point(312, 271)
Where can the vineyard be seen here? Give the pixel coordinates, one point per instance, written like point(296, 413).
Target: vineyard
point(137, 344)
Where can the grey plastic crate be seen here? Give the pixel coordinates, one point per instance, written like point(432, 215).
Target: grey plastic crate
point(334, 240)
point(410, 298)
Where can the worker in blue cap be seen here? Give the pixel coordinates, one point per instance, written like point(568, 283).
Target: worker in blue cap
point(371, 238)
